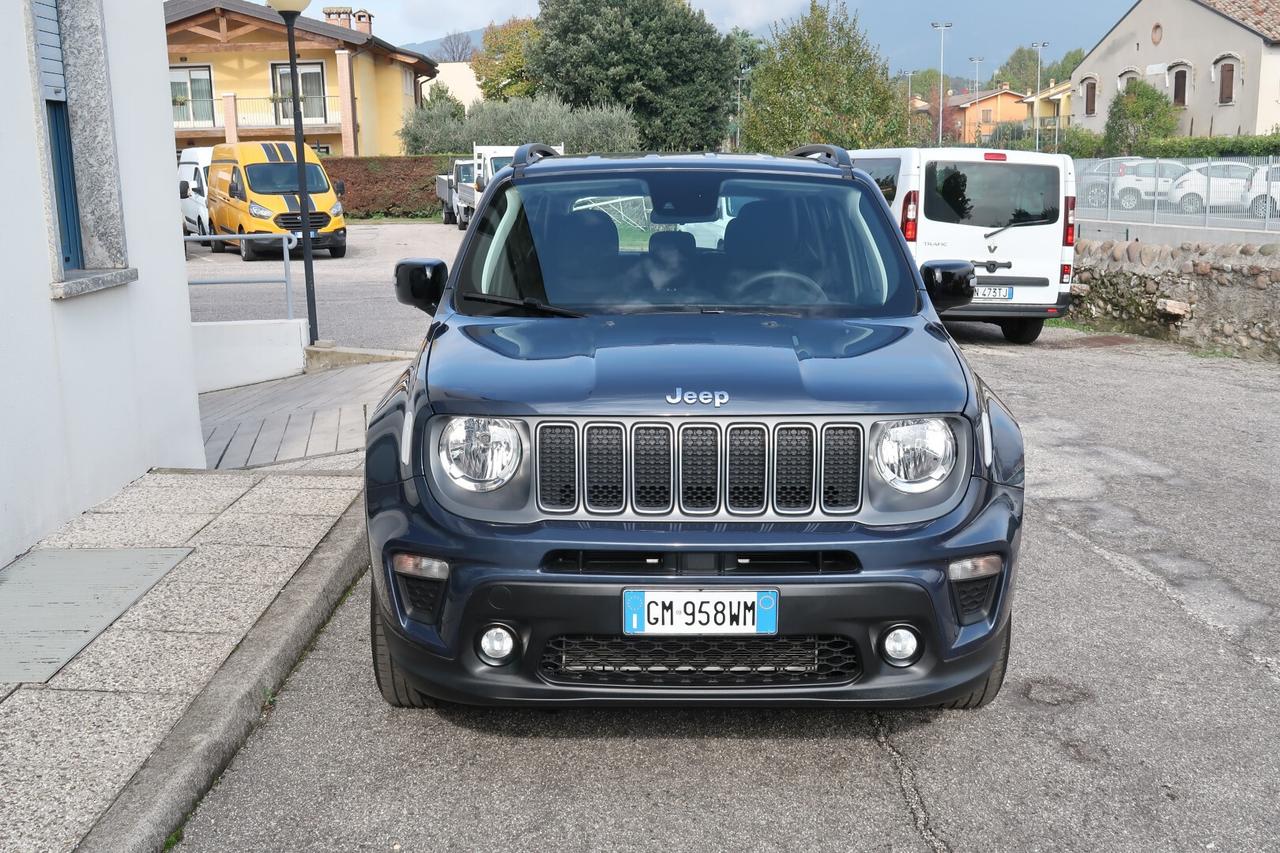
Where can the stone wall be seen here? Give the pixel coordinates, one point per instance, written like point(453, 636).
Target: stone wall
point(1213, 296)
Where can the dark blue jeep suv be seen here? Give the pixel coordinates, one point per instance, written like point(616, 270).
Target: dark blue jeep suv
point(687, 429)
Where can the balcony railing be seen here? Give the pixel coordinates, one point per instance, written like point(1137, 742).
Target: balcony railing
point(207, 113)
point(278, 111)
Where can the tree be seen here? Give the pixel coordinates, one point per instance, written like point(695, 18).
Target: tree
point(1019, 71)
point(952, 121)
point(1138, 115)
point(1061, 70)
point(748, 50)
point(822, 81)
point(435, 125)
point(502, 63)
point(456, 47)
point(543, 118)
point(660, 58)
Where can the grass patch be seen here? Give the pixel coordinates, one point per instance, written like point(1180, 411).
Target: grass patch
point(1211, 352)
point(1068, 323)
point(174, 839)
point(434, 216)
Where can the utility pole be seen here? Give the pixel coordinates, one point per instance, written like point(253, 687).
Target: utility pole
point(909, 99)
point(975, 60)
point(737, 128)
point(1035, 99)
point(942, 28)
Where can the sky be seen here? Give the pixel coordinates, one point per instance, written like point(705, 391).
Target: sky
point(980, 27)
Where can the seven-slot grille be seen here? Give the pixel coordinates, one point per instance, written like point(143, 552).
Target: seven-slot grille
point(293, 221)
point(699, 468)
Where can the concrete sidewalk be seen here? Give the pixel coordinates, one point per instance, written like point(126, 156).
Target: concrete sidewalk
point(123, 738)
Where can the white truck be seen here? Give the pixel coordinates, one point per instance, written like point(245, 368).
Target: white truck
point(486, 161)
point(461, 173)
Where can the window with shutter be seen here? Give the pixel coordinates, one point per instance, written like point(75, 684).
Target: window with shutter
point(1180, 87)
point(53, 87)
point(1091, 97)
point(1226, 82)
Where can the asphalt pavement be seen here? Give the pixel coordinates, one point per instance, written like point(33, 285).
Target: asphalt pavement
point(355, 300)
point(1141, 709)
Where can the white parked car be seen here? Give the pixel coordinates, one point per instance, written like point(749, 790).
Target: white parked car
point(193, 167)
point(1145, 182)
point(1216, 184)
point(1012, 213)
point(1262, 195)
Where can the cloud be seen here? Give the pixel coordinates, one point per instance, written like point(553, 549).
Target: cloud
point(754, 15)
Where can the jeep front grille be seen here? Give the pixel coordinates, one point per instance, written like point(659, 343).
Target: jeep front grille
point(698, 468)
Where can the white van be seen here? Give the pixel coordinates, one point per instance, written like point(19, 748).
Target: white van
point(193, 167)
point(1012, 213)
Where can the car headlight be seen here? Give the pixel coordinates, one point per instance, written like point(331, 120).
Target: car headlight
point(914, 456)
point(336, 210)
point(480, 454)
point(259, 211)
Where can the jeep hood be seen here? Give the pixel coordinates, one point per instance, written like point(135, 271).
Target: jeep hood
point(624, 365)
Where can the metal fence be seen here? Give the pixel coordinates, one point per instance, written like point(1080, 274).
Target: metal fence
point(1240, 193)
point(286, 241)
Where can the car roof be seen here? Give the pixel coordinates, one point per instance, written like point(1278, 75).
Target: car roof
point(250, 153)
point(710, 161)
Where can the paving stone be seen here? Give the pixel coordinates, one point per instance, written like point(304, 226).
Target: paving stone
point(199, 607)
point(6, 689)
point(65, 754)
point(270, 498)
point(198, 497)
point(294, 531)
point(314, 481)
point(204, 479)
point(127, 530)
point(339, 462)
point(239, 564)
point(123, 659)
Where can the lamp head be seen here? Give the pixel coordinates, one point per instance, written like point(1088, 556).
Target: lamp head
point(294, 6)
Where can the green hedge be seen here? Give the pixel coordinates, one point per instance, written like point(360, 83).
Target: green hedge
point(1214, 146)
point(389, 186)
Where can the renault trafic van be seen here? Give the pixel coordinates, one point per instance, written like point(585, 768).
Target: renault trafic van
point(253, 189)
point(1012, 213)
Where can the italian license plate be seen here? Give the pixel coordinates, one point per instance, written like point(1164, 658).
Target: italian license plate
point(992, 294)
point(298, 234)
point(700, 611)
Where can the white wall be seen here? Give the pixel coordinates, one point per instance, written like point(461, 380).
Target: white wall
point(98, 388)
point(1194, 34)
point(232, 353)
point(460, 80)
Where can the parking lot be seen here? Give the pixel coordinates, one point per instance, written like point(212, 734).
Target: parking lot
point(1141, 709)
point(355, 303)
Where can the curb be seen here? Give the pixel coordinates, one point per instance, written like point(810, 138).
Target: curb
point(189, 760)
point(325, 357)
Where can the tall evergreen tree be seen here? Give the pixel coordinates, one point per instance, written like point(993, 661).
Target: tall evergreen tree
point(660, 58)
point(822, 81)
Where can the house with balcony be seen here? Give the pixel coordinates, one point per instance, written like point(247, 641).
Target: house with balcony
point(976, 114)
point(1218, 61)
point(229, 77)
point(1050, 108)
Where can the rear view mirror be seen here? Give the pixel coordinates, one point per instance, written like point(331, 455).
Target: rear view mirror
point(420, 282)
point(340, 187)
point(480, 182)
point(949, 283)
point(184, 189)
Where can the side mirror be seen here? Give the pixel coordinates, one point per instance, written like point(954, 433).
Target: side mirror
point(420, 282)
point(949, 283)
point(340, 187)
point(184, 189)
point(480, 182)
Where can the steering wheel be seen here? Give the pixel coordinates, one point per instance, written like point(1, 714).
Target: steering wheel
point(757, 281)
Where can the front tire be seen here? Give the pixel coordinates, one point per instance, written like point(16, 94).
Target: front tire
point(246, 249)
point(1191, 203)
point(338, 252)
point(395, 690)
point(462, 223)
point(217, 246)
point(203, 232)
point(450, 218)
point(990, 688)
point(1023, 331)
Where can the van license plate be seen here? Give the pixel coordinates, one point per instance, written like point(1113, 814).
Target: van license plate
point(699, 611)
point(298, 234)
point(992, 294)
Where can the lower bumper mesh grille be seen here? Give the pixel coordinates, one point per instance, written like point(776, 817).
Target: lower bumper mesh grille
point(700, 661)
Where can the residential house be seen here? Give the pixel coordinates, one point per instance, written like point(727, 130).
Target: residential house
point(977, 113)
point(460, 80)
point(229, 77)
point(95, 335)
point(1217, 60)
point(1051, 106)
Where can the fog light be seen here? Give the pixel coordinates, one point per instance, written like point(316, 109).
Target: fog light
point(900, 646)
point(497, 645)
point(418, 566)
point(972, 568)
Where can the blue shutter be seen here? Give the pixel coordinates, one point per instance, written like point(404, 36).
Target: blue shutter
point(53, 86)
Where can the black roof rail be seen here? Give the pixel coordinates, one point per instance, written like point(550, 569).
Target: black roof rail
point(832, 155)
point(528, 153)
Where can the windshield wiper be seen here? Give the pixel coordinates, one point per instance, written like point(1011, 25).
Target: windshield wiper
point(527, 303)
point(1017, 225)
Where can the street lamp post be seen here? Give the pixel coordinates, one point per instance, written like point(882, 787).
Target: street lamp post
point(289, 10)
point(942, 28)
point(976, 60)
point(909, 73)
point(1035, 99)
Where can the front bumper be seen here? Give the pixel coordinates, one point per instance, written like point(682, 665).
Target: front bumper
point(997, 311)
point(498, 576)
point(335, 239)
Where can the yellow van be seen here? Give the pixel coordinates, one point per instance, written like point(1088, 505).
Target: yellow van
point(253, 189)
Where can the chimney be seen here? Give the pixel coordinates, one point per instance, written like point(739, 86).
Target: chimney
point(364, 21)
point(339, 16)
point(1004, 85)
point(1052, 82)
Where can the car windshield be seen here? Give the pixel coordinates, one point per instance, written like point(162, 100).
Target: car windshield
point(276, 178)
point(500, 163)
point(680, 240)
point(991, 194)
point(466, 173)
